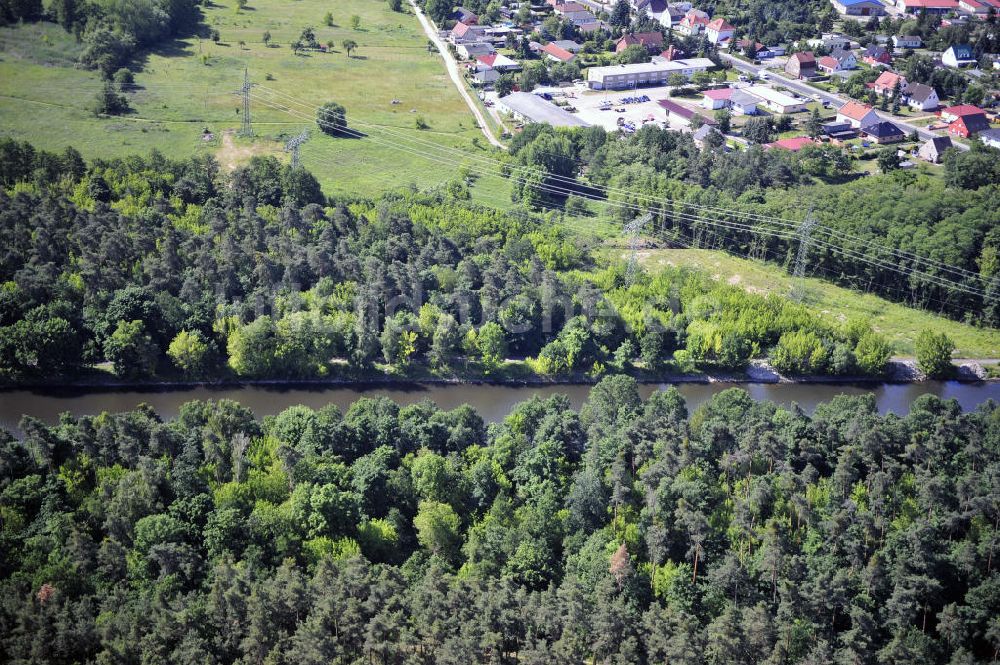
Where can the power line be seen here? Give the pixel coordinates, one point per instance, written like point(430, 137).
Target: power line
point(247, 129)
point(932, 279)
point(293, 145)
point(633, 229)
point(830, 234)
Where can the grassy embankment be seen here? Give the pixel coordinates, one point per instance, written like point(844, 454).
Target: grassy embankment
point(899, 323)
point(186, 85)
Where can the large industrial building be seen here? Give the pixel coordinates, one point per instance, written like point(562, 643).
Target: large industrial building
point(643, 74)
point(531, 108)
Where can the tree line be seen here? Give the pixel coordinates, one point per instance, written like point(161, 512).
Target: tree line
point(630, 531)
point(171, 268)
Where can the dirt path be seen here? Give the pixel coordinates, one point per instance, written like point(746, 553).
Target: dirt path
point(232, 155)
point(456, 75)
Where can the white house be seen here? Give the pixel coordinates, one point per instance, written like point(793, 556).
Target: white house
point(777, 101)
point(922, 97)
point(716, 99)
point(718, 31)
point(741, 103)
point(858, 115)
point(907, 41)
point(958, 55)
point(990, 137)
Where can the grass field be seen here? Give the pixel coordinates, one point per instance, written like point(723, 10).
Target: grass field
point(186, 86)
point(899, 323)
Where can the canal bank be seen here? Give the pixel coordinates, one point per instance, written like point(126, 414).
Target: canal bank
point(492, 401)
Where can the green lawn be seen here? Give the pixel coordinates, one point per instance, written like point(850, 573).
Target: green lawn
point(900, 324)
point(186, 86)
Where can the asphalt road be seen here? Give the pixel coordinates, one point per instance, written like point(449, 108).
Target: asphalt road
point(835, 100)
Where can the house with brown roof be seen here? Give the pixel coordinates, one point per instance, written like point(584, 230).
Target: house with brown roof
point(858, 115)
point(682, 115)
point(801, 65)
point(877, 55)
point(651, 41)
point(933, 150)
point(922, 97)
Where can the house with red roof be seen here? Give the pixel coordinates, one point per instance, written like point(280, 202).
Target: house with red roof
point(886, 83)
point(965, 120)
point(858, 115)
point(716, 99)
point(718, 31)
point(558, 53)
point(928, 6)
point(672, 53)
point(979, 8)
point(499, 62)
point(793, 144)
point(694, 23)
point(953, 113)
point(464, 33)
point(651, 41)
point(969, 125)
point(877, 55)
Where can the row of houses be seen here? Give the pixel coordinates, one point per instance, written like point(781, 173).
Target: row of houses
point(974, 8)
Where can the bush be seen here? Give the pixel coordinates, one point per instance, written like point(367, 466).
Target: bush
point(800, 352)
point(124, 79)
point(934, 354)
point(332, 119)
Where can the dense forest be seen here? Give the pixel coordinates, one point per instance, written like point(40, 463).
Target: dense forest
point(746, 200)
point(172, 268)
point(629, 532)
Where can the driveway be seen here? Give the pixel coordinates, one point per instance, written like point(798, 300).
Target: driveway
point(835, 100)
point(455, 74)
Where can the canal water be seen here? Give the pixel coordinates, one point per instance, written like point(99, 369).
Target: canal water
point(493, 402)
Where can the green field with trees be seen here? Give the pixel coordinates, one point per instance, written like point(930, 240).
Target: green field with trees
point(628, 532)
point(185, 77)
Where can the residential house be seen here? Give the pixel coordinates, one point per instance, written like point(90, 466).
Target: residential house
point(969, 120)
point(750, 48)
point(716, 99)
point(858, 115)
point(886, 83)
point(682, 116)
point(463, 33)
point(718, 31)
point(958, 55)
point(794, 144)
point(953, 113)
point(776, 100)
point(838, 130)
point(990, 137)
point(801, 65)
point(651, 41)
point(572, 11)
point(702, 133)
point(933, 150)
point(908, 41)
point(672, 53)
point(463, 15)
point(742, 103)
point(694, 23)
point(499, 62)
point(569, 45)
point(558, 54)
point(877, 55)
point(473, 50)
point(859, 7)
point(920, 97)
point(485, 76)
point(831, 41)
point(838, 61)
point(939, 7)
point(884, 132)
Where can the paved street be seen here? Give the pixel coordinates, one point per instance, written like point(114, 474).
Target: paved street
point(835, 100)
